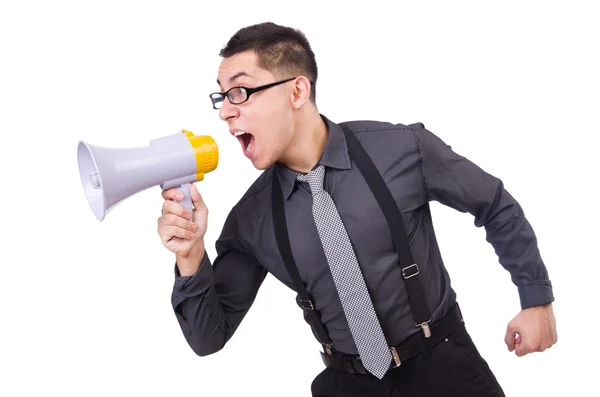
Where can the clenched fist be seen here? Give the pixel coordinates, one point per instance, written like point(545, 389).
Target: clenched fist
point(536, 329)
point(182, 231)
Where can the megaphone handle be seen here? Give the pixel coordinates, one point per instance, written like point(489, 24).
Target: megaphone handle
point(187, 197)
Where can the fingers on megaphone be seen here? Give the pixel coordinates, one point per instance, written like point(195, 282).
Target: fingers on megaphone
point(197, 200)
point(170, 220)
point(171, 226)
point(173, 207)
point(172, 194)
point(176, 231)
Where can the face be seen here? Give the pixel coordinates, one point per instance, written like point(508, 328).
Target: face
point(264, 123)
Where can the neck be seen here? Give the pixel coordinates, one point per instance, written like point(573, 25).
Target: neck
point(310, 138)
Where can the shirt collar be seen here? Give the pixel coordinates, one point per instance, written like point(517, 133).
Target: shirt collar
point(335, 155)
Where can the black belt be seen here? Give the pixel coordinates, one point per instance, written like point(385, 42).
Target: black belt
point(412, 347)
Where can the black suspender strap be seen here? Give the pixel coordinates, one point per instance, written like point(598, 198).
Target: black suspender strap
point(283, 240)
point(410, 270)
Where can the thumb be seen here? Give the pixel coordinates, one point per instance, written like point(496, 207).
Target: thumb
point(196, 198)
point(519, 347)
point(509, 339)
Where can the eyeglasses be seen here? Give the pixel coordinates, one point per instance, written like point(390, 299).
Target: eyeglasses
point(240, 94)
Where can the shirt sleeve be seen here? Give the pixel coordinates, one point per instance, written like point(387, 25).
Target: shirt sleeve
point(454, 181)
point(212, 303)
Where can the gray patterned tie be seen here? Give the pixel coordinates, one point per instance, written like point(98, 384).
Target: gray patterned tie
point(364, 325)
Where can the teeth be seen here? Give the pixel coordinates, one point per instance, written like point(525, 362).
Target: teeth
point(249, 146)
point(238, 133)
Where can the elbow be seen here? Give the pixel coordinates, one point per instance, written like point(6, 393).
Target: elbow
point(203, 347)
point(203, 340)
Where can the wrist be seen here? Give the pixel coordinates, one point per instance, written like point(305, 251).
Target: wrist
point(189, 264)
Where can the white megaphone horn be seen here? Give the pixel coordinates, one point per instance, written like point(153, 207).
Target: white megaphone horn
point(111, 175)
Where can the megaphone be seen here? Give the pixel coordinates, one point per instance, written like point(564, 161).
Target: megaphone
point(110, 175)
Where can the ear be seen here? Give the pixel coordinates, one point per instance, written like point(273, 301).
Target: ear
point(300, 92)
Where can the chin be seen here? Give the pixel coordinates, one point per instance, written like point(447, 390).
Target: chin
point(262, 164)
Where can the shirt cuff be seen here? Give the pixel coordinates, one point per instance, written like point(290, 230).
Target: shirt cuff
point(196, 284)
point(536, 294)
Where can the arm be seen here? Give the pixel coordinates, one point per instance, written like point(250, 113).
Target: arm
point(209, 300)
point(458, 183)
point(211, 304)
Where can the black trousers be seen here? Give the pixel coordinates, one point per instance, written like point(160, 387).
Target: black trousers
point(454, 368)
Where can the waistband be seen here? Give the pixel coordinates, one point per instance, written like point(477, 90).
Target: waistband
point(413, 346)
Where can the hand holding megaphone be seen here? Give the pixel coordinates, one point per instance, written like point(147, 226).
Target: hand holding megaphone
point(111, 175)
point(183, 237)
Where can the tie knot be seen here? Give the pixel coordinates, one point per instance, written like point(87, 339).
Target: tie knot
point(314, 179)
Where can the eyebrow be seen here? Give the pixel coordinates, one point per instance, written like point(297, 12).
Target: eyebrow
point(235, 76)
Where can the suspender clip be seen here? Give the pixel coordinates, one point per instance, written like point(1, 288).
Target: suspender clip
point(425, 326)
point(396, 357)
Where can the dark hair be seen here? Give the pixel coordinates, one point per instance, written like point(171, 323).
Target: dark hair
point(278, 49)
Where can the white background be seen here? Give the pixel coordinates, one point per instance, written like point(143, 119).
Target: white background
point(85, 305)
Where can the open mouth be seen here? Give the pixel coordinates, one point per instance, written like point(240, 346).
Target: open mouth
point(246, 139)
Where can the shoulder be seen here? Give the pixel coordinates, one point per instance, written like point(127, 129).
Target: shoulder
point(246, 214)
point(374, 126)
point(384, 132)
point(383, 136)
point(255, 200)
point(258, 188)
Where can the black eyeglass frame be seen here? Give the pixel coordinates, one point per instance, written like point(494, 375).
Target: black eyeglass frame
point(249, 91)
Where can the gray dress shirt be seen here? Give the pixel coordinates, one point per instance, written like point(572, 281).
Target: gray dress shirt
point(418, 167)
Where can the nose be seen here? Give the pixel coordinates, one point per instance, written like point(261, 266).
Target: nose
point(227, 111)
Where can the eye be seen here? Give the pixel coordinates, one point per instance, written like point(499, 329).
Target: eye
point(237, 94)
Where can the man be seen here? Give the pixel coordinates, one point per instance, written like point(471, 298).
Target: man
point(376, 294)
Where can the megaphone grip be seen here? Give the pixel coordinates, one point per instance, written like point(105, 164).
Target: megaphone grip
point(187, 197)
